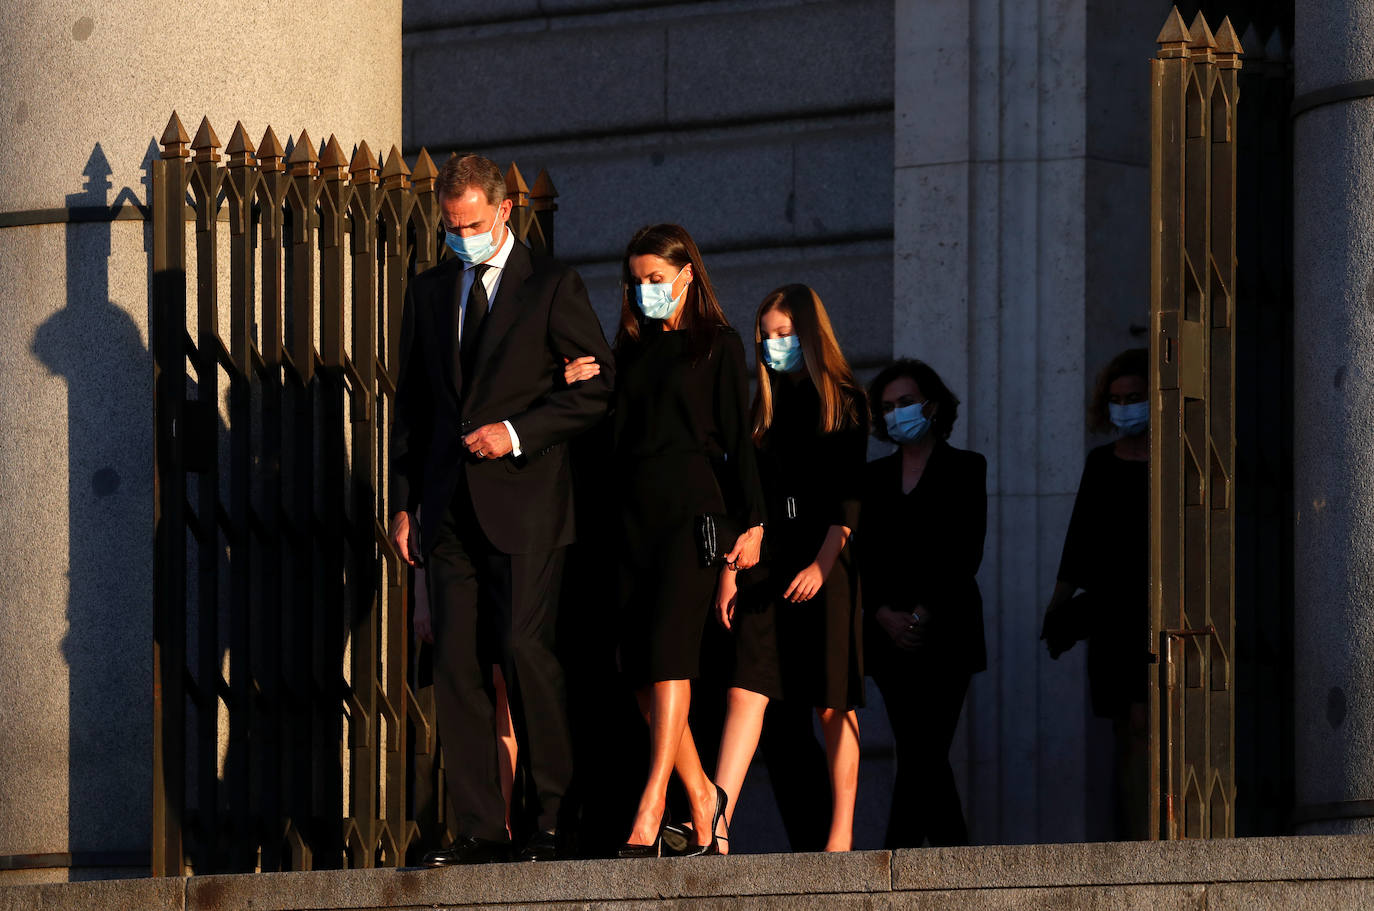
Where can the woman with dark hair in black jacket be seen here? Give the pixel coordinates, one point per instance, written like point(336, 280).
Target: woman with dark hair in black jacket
point(925, 515)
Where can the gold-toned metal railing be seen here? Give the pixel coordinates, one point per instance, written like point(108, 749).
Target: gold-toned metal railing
point(1192, 436)
point(287, 717)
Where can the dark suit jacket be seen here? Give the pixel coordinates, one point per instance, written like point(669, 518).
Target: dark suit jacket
point(541, 315)
point(925, 548)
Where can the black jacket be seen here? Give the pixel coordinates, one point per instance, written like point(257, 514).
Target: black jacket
point(540, 316)
point(925, 548)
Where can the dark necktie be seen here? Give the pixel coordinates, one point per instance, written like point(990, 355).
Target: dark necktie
point(473, 316)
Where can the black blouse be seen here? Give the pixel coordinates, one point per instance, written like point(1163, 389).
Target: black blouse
point(810, 475)
point(669, 404)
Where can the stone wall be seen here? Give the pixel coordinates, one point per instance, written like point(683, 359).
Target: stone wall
point(85, 93)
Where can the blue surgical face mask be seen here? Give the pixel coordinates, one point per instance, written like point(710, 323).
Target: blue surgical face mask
point(1130, 419)
point(783, 354)
point(907, 424)
point(656, 299)
point(479, 247)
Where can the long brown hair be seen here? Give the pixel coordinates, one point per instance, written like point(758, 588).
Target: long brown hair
point(841, 397)
point(702, 317)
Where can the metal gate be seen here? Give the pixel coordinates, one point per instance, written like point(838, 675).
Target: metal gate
point(1192, 437)
point(286, 717)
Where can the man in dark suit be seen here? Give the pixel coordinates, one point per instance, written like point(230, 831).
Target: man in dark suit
point(478, 445)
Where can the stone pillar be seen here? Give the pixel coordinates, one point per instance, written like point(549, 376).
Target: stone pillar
point(84, 93)
point(1333, 414)
point(1020, 265)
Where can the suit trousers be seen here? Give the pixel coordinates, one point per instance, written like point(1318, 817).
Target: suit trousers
point(491, 608)
point(923, 697)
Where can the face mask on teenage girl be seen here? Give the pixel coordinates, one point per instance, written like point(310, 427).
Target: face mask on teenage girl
point(1130, 419)
point(656, 299)
point(479, 247)
point(783, 355)
point(907, 424)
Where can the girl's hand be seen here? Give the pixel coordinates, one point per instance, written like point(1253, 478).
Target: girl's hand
point(579, 369)
point(727, 592)
point(806, 584)
point(746, 551)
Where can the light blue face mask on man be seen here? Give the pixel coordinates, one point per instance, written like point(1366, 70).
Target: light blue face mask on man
point(656, 299)
point(475, 249)
point(783, 355)
point(1130, 419)
point(907, 424)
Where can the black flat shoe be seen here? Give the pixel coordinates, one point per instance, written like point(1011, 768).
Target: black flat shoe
point(696, 850)
point(468, 849)
point(542, 846)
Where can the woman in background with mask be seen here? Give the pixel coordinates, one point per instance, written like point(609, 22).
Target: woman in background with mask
point(1107, 555)
point(681, 449)
point(925, 515)
point(796, 618)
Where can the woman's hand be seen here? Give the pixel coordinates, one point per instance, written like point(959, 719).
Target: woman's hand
point(727, 592)
point(420, 616)
point(579, 369)
point(746, 552)
point(907, 631)
point(806, 584)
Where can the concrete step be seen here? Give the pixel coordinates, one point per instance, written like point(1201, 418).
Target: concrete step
point(1329, 873)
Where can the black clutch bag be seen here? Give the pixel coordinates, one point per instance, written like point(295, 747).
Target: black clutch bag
point(715, 535)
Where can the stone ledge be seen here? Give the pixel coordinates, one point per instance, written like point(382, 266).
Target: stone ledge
point(1219, 861)
point(1320, 873)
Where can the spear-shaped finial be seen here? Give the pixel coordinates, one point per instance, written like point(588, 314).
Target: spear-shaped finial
point(363, 168)
point(395, 174)
point(1173, 39)
point(270, 152)
point(304, 161)
point(174, 139)
point(206, 143)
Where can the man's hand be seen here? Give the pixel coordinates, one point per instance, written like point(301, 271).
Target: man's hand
point(490, 441)
point(400, 535)
point(905, 630)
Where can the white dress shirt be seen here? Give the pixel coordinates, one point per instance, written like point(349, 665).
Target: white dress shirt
point(491, 280)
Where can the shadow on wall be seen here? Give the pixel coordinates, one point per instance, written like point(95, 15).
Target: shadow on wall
point(96, 346)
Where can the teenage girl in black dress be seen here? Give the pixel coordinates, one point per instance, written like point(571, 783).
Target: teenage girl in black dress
point(681, 433)
point(796, 618)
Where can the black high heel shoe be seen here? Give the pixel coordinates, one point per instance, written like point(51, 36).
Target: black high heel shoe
point(655, 849)
point(695, 850)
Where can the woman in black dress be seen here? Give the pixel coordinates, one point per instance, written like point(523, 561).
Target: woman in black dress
point(925, 516)
point(1107, 555)
point(796, 617)
point(681, 437)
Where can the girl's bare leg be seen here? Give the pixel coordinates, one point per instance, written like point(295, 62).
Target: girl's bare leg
point(841, 729)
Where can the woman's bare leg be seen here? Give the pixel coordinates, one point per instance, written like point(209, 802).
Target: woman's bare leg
point(738, 741)
point(665, 704)
point(841, 729)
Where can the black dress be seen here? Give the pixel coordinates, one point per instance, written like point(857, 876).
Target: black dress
point(924, 548)
point(809, 653)
point(681, 444)
point(1107, 554)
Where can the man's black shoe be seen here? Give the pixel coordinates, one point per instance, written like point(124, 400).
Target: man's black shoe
point(469, 850)
point(541, 846)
